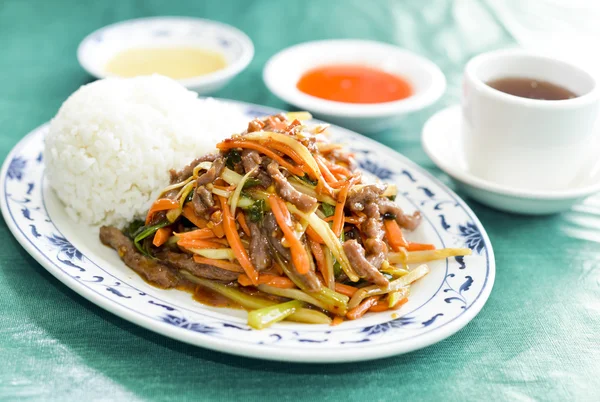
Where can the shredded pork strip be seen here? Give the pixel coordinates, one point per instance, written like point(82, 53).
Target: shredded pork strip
point(150, 269)
point(303, 202)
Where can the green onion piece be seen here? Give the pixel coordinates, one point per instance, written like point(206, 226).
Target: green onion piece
point(133, 228)
point(265, 317)
point(257, 211)
point(328, 209)
point(251, 182)
point(245, 202)
point(147, 231)
point(233, 157)
point(308, 180)
point(337, 268)
point(189, 197)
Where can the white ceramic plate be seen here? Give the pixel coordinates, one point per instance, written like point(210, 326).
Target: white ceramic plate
point(442, 142)
point(440, 304)
point(99, 47)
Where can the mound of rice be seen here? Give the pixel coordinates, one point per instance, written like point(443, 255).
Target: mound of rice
point(112, 143)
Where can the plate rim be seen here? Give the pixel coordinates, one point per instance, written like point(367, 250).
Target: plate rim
point(253, 350)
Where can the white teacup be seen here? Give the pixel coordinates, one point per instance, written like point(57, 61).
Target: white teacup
point(527, 143)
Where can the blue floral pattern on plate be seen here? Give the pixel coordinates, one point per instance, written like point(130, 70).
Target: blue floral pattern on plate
point(454, 287)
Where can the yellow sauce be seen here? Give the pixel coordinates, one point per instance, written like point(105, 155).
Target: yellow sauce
point(174, 62)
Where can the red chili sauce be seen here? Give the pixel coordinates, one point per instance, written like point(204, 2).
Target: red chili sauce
point(354, 84)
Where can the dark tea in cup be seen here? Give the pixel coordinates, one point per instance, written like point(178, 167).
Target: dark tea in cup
point(531, 88)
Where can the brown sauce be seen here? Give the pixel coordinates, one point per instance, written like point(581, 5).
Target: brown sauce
point(531, 88)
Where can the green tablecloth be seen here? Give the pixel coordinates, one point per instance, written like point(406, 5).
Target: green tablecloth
point(537, 337)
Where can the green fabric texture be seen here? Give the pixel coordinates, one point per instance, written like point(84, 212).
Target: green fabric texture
point(536, 339)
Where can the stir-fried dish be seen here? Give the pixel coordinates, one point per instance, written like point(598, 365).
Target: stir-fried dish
point(280, 223)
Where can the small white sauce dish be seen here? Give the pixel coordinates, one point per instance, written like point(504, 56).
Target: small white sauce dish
point(98, 48)
point(282, 72)
point(442, 141)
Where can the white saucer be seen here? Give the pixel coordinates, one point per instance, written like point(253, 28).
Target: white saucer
point(441, 141)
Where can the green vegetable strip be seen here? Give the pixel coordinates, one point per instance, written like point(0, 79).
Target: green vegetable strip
point(147, 231)
point(256, 212)
point(331, 295)
point(305, 189)
point(328, 209)
point(395, 297)
point(265, 317)
point(310, 317)
point(243, 299)
point(397, 285)
point(330, 239)
point(416, 257)
point(295, 294)
point(235, 196)
point(252, 302)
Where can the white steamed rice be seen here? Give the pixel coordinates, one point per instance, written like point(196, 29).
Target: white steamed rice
point(112, 143)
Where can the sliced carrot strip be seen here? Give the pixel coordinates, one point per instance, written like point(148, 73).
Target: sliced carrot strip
point(242, 221)
point(394, 235)
point(199, 244)
point(190, 215)
point(236, 243)
point(345, 289)
point(327, 175)
point(197, 234)
point(282, 216)
point(226, 265)
point(162, 204)
point(400, 303)
point(338, 217)
point(266, 279)
point(310, 232)
point(284, 149)
point(161, 236)
point(337, 320)
point(362, 308)
point(379, 307)
point(261, 148)
point(337, 169)
point(276, 281)
point(419, 246)
point(220, 241)
point(218, 229)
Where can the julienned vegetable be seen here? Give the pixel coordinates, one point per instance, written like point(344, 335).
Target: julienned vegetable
point(267, 316)
point(280, 224)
